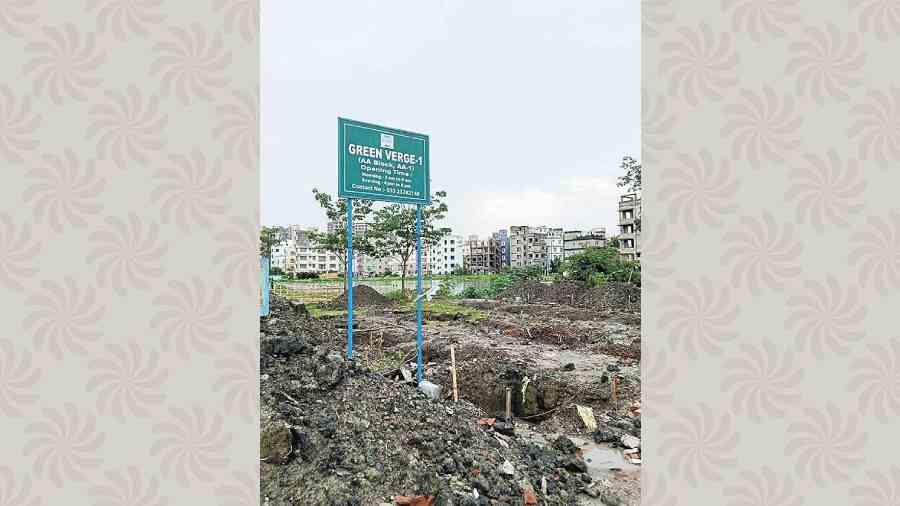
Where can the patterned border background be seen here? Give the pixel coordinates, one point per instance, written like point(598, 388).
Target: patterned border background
point(128, 252)
point(771, 145)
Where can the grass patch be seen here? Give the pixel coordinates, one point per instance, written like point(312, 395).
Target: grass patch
point(445, 307)
point(399, 296)
point(377, 360)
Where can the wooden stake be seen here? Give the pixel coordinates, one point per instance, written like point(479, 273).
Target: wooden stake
point(453, 371)
point(508, 403)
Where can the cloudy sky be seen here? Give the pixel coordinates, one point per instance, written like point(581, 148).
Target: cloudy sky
point(529, 104)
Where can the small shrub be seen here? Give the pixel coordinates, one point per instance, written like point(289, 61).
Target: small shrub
point(472, 293)
point(446, 289)
point(397, 296)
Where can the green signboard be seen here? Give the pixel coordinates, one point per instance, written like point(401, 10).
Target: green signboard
point(380, 163)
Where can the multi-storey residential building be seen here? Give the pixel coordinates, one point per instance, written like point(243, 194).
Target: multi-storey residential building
point(481, 256)
point(502, 238)
point(359, 227)
point(629, 226)
point(284, 255)
point(360, 261)
point(576, 241)
point(554, 246)
point(310, 257)
point(535, 246)
point(447, 255)
point(299, 253)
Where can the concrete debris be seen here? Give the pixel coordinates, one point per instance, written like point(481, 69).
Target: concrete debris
point(575, 465)
point(633, 455)
point(507, 469)
point(587, 417)
point(630, 441)
point(506, 428)
point(431, 390)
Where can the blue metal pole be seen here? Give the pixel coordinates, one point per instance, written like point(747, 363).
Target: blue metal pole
point(420, 337)
point(350, 279)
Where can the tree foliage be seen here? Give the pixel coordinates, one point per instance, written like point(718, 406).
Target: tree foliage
point(336, 212)
point(393, 231)
point(556, 266)
point(632, 178)
point(595, 266)
point(268, 236)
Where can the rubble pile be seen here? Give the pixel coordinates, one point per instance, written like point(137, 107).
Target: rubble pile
point(335, 433)
point(612, 296)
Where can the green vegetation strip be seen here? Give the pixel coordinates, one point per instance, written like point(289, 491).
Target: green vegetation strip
point(444, 307)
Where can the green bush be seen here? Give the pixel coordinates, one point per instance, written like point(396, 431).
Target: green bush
point(595, 266)
point(397, 296)
point(472, 293)
point(446, 289)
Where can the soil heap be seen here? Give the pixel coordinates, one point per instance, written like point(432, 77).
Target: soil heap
point(363, 296)
point(612, 296)
point(334, 433)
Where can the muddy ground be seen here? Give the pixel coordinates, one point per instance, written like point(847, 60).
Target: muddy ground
point(357, 434)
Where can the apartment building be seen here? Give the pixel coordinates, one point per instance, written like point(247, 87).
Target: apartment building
point(359, 227)
point(530, 246)
point(283, 255)
point(297, 252)
point(502, 238)
point(446, 256)
point(481, 256)
point(310, 257)
point(576, 241)
point(629, 226)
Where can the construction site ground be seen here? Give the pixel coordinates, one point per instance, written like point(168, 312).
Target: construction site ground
point(552, 357)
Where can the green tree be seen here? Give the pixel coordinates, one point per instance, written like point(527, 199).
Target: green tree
point(632, 178)
point(393, 232)
point(336, 240)
point(268, 236)
point(556, 266)
point(593, 266)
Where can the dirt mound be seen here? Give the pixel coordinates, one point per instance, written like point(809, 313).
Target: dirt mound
point(335, 433)
point(612, 296)
point(363, 296)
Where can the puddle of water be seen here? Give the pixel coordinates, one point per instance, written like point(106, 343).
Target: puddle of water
point(603, 460)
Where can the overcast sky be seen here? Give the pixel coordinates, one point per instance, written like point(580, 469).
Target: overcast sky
point(529, 104)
